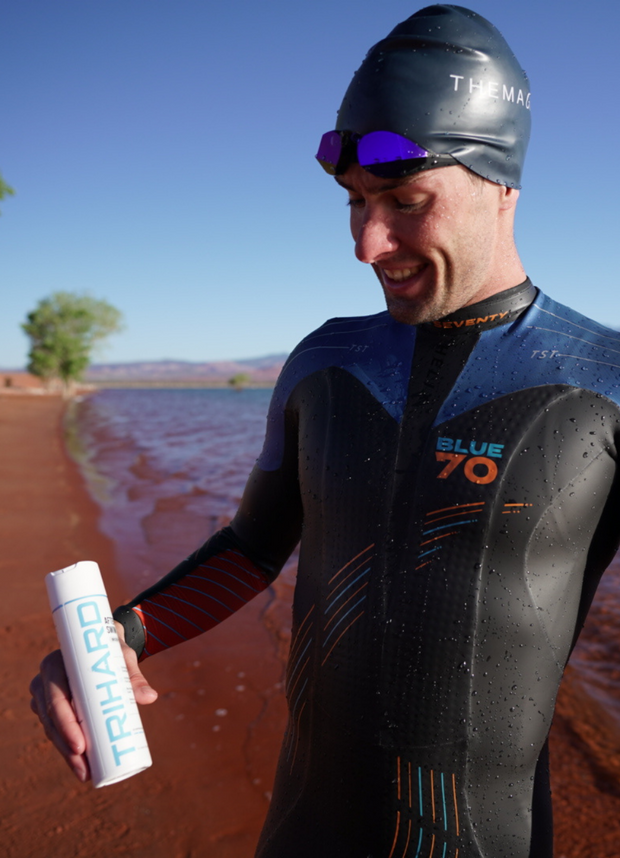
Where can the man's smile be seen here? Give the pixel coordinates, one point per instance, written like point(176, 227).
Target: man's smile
point(398, 275)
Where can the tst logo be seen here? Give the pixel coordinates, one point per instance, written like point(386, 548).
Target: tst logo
point(479, 465)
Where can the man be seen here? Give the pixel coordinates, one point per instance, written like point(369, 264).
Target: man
point(449, 466)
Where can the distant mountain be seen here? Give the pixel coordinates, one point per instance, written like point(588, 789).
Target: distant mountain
point(260, 370)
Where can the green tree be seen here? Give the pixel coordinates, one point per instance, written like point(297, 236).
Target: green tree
point(64, 329)
point(5, 190)
point(239, 380)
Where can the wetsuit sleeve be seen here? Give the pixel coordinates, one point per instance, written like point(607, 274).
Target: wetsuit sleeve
point(232, 567)
point(204, 589)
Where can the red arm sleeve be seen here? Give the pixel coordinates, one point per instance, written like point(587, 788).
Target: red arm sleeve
point(200, 593)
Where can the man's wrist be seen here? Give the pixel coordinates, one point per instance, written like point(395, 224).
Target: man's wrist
point(134, 630)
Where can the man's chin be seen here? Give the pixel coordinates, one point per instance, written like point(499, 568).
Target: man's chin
point(412, 313)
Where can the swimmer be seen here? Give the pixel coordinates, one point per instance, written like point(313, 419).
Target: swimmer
point(449, 467)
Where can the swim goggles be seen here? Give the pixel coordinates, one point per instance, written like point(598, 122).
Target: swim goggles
point(382, 153)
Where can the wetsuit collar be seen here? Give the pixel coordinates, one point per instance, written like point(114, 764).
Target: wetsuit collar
point(497, 310)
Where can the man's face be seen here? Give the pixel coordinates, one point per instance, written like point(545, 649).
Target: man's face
point(436, 240)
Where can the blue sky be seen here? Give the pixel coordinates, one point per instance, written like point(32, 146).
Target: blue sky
point(162, 155)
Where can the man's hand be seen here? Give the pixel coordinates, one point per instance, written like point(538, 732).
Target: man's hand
point(51, 701)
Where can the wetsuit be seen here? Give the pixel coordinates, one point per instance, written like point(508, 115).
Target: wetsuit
point(454, 486)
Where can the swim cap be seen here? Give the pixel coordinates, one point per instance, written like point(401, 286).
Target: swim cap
point(446, 79)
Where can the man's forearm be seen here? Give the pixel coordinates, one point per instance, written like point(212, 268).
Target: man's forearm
point(204, 589)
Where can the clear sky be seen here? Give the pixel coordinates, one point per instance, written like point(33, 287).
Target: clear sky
point(162, 152)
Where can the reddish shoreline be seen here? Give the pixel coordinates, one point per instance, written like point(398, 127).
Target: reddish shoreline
point(207, 792)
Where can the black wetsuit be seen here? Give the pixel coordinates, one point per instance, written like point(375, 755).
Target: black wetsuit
point(454, 488)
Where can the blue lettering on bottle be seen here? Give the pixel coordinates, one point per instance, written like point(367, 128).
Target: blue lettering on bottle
point(103, 665)
point(110, 699)
point(113, 708)
point(88, 613)
point(118, 754)
point(115, 727)
point(92, 639)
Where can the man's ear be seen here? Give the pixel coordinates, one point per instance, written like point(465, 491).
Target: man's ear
point(508, 198)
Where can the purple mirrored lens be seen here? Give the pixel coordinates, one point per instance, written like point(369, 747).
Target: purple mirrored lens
point(330, 148)
point(380, 147)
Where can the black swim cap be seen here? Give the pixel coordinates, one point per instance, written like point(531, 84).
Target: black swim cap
point(446, 79)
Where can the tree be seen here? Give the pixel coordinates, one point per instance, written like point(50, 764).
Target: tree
point(239, 380)
point(5, 190)
point(64, 329)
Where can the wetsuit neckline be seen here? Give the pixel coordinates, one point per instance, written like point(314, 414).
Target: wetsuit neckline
point(496, 310)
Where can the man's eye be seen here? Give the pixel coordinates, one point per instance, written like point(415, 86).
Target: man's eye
point(355, 203)
point(410, 206)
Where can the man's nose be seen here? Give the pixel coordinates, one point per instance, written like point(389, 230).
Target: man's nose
point(374, 237)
